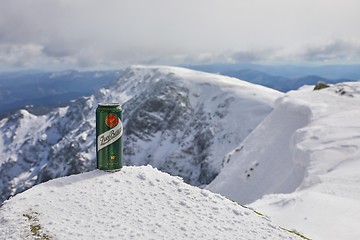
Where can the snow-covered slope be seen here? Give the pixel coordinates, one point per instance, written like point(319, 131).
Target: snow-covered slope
point(303, 163)
point(178, 120)
point(134, 203)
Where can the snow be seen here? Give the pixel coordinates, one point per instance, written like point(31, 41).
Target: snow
point(270, 142)
point(21, 127)
point(2, 143)
point(209, 115)
point(134, 203)
point(205, 86)
point(301, 165)
point(244, 105)
point(178, 120)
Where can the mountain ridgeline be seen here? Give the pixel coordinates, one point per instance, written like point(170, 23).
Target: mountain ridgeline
point(180, 121)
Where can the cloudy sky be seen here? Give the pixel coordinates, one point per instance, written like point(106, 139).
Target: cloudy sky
point(114, 33)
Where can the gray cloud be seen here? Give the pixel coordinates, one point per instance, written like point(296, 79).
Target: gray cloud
point(110, 33)
point(334, 50)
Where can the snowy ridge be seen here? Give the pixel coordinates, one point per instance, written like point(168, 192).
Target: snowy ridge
point(301, 163)
point(208, 110)
point(134, 203)
point(181, 121)
point(264, 155)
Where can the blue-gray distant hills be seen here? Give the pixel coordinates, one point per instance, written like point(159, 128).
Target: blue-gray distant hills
point(282, 84)
point(40, 92)
point(285, 78)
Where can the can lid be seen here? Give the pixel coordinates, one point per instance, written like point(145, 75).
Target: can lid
point(109, 104)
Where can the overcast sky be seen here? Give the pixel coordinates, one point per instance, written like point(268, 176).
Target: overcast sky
point(114, 33)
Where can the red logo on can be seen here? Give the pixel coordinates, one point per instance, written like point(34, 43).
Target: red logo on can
point(111, 120)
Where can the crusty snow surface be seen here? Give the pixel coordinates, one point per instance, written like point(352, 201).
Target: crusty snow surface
point(134, 203)
point(301, 165)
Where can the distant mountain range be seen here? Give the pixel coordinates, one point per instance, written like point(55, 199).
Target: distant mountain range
point(282, 84)
point(351, 71)
point(285, 78)
point(39, 92)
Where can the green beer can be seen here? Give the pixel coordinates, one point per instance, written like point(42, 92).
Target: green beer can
point(109, 130)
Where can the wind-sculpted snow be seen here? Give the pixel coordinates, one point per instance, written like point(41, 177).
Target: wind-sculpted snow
point(134, 203)
point(181, 121)
point(266, 156)
point(302, 163)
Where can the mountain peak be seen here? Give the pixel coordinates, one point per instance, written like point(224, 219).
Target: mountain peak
point(181, 121)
